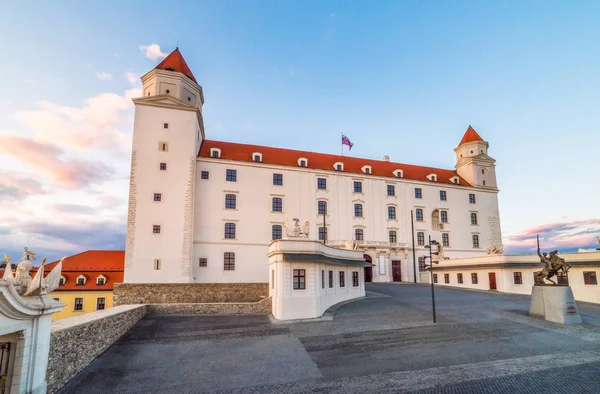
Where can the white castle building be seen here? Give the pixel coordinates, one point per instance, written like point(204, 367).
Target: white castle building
point(205, 211)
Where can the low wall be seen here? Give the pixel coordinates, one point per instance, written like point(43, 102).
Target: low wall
point(77, 341)
point(262, 307)
point(188, 293)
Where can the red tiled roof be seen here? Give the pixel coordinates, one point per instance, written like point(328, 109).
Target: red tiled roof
point(91, 264)
point(322, 161)
point(470, 136)
point(175, 62)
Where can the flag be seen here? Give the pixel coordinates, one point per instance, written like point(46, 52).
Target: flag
point(346, 141)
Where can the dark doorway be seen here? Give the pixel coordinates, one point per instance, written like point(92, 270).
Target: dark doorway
point(396, 273)
point(492, 276)
point(368, 270)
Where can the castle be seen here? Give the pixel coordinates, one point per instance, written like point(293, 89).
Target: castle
point(205, 211)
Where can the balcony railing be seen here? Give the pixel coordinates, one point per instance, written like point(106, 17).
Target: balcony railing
point(352, 244)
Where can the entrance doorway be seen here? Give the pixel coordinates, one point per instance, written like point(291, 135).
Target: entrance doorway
point(492, 276)
point(396, 272)
point(368, 270)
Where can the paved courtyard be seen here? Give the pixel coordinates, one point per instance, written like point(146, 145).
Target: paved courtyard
point(483, 343)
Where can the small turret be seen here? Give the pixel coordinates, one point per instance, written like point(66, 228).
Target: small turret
point(472, 161)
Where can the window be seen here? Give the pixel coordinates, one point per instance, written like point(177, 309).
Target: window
point(367, 170)
point(455, 180)
point(78, 304)
point(157, 197)
point(471, 198)
point(156, 229)
point(339, 167)
point(163, 146)
point(62, 281)
point(303, 163)
point(518, 278)
point(322, 207)
point(299, 279)
point(215, 153)
point(442, 195)
point(589, 278)
point(358, 211)
point(229, 261)
point(482, 170)
point(562, 279)
point(446, 278)
point(357, 187)
point(231, 176)
point(475, 240)
point(166, 125)
point(80, 281)
point(355, 282)
point(483, 183)
point(418, 192)
point(435, 278)
point(257, 158)
point(100, 303)
point(278, 179)
point(321, 183)
point(358, 234)
point(322, 279)
point(204, 175)
point(203, 262)
point(444, 216)
point(419, 214)
point(391, 190)
point(156, 264)
point(473, 218)
point(420, 238)
point(392, 235)
point(434, 178)
point(445, 239)
point(277, 204)
point(398, 173)
point(322, 234)
point(163, 166)
point(342, 279)
point(422, 265)
point(230, 201)
point(459, 278)
point(391, 212)
point(276, 231)
point(331, 279)
point(56, 298)
point(100, 281)
point(229, 230)
point(474, 278)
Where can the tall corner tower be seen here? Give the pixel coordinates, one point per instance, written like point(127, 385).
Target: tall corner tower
point(473, 163)
point(167, 133)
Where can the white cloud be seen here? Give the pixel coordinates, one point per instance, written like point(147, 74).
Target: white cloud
point(103, 76)
point(133, 78)
point(152, 51)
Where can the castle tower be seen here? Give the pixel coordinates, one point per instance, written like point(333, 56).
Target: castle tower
point(167, 133)
point(472, 161)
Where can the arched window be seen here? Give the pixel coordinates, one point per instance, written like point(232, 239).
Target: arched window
point(358, 234)
point(391, 212)
point(230, 201)
point(475, 240)
point(100, 280)
point(229, 230)
point(80, 280)
point(322, 207)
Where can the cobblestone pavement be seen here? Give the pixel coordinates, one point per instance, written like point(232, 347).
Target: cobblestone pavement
point(483, 343)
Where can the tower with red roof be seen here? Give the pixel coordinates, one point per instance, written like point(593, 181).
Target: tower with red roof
point(472, 161)
point(167, 135)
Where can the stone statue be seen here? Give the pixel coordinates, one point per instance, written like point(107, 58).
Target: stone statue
point(296, 231)
point(435, 220)
point(552, 265)
point(22, 278)
point(495, 249)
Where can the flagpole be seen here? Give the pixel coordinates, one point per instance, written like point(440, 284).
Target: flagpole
point(342, 142)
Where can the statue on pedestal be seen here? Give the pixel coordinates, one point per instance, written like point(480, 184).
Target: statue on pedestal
point(552, 265)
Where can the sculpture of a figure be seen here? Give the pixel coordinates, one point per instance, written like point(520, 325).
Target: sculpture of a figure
point(435, 220)
point(552, 265)
point(28, 254)
point(296, 231)
point(495, 249)
point(22, 277)
point(306, 229)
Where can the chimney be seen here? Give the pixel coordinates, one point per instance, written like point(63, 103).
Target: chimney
point(386, 158)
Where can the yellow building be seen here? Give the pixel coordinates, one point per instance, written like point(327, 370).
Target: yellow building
point(87, 281)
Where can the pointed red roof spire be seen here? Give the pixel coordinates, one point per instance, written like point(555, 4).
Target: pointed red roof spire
point(175, 62)
point(470, 136)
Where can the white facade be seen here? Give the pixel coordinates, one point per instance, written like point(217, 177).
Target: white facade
point(192, 212)
point(307, 278)
point(503, 268)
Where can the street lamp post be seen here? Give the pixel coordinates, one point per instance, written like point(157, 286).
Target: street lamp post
point(431, 262)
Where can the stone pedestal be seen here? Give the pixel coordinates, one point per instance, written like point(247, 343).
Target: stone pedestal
point(555, 304)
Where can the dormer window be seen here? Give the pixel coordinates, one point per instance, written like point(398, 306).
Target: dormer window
point(257, 157)
point(81, 279)
point(338, 166)
point(215, 153)
point(399, 173)
point(366, 169)
point(432, 177)
point(62, 281)
point(100, 280)
point(303, 162)
point(455, 180)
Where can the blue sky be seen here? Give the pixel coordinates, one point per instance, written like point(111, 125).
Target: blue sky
point(402, 78)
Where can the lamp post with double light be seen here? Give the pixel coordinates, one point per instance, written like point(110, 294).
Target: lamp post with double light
point(431, 262)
